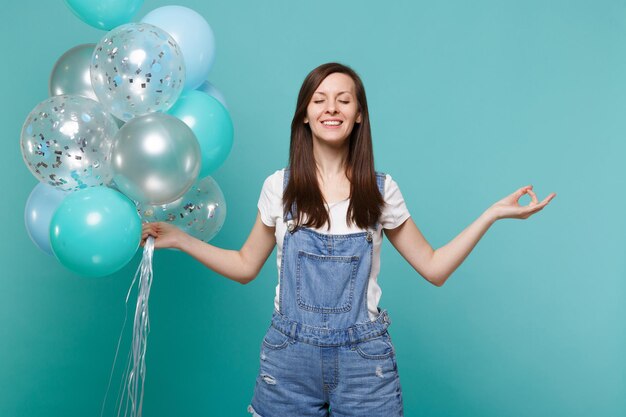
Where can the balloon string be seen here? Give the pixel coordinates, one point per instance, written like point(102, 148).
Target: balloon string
point(131, 391)
point(117, 350)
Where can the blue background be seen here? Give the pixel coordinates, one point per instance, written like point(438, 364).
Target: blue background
point(469, 101)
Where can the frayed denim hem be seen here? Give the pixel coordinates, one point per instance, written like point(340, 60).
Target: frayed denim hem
point(253, 412)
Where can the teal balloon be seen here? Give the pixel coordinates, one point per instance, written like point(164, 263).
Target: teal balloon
point(95, 231)
point(104, 14)
point(211, 123)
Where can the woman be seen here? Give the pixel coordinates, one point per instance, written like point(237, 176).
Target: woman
point(328, 346)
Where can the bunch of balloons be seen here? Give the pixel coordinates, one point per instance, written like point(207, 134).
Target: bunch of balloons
point(131, 131)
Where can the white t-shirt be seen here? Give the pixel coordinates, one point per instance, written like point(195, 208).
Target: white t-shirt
point(393, 215)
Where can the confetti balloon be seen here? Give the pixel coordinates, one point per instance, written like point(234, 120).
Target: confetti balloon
point(95, 231)
point(66, 142)
point(155, 158)
point(70, 74)
point(201, 212)
point(211, 123)
point(137, 69)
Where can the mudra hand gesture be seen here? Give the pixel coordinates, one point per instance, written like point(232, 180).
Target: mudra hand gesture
point(509, 206)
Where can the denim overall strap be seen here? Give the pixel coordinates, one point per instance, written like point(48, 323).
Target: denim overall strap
point(323, 285)
point(288, 217)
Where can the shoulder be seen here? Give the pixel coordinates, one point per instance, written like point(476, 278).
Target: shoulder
point(274, 182)
point(270, 200)
point(390, 186)
point(390, 181)
point(276, 175)
point(395, 211)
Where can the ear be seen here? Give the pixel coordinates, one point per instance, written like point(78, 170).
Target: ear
point(358, 118)
point(306, 120)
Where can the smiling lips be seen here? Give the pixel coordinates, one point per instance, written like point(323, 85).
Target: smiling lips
point(332, 123)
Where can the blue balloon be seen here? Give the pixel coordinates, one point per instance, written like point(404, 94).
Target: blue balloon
point(208, 88)
point(104, 14)
point(40, 206)
point(95, 231)
point(193, 35)
point(211, 123)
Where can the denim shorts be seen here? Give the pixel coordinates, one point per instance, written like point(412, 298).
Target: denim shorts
point(299, 379)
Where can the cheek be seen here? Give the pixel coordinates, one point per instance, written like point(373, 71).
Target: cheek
point(310, 114)
point(353, 112)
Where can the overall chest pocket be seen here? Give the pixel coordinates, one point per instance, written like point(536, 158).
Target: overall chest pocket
point(325, 284)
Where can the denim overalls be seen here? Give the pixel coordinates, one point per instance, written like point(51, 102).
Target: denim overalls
point(322, 349)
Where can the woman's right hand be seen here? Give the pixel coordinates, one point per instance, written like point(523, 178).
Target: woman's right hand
point(165, 235)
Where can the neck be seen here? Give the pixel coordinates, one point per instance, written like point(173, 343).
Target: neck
point(330, 161)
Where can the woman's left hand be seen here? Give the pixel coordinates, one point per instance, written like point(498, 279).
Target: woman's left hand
point(509, 206)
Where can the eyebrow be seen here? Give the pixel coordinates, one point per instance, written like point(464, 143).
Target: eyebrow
point(339, 93)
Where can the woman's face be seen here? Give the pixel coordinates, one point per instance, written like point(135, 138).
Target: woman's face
point(333, 109)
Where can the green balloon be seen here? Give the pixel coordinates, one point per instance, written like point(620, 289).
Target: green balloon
point(211, 123)
point(104, 14)
point(95, 231)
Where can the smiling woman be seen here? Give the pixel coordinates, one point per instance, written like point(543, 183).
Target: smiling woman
point(328, 345)
point(324, 154)
point(466, 100)
point(333, 111)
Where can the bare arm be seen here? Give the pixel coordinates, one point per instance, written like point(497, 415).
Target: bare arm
point(241, 266)
point(437, 265)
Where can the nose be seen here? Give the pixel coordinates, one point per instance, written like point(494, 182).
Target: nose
point(330, 107)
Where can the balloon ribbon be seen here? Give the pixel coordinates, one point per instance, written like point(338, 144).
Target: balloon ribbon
point(130, 399)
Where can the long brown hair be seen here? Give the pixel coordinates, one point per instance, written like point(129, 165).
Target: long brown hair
point(366, 202)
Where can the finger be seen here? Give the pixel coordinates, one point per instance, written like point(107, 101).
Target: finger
point(547, 199)
point(515, 197)
point(146, 233)
point(533, 196)
point(523, 190)
point(541, 205)
point(538, 207)
point(151, 227)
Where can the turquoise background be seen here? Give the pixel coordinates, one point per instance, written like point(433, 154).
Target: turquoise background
point(469, 101)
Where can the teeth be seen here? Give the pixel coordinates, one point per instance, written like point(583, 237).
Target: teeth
point(332, 123)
